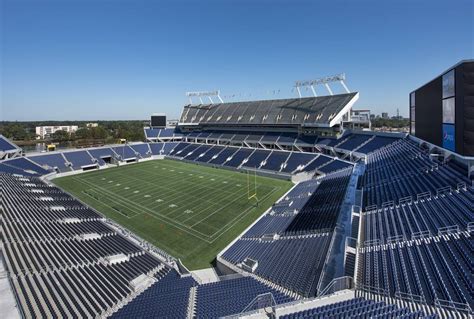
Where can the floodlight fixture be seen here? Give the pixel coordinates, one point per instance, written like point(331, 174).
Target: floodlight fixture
point(200, 94)
point(341, 77)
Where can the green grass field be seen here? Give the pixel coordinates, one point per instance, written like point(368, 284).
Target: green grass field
point(190, 211)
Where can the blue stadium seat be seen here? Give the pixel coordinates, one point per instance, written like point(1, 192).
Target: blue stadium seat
point(6, 145)
point(256, 159)
point(24, 164)
point(100, 153)
point(79, 159)
point(276, 160)
point(297, 160)
point(51, 161)
point(142, 149)
point(231, 296)
point(239, 157)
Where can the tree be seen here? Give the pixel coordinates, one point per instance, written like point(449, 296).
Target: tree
point(60, 136)
point(82, 133)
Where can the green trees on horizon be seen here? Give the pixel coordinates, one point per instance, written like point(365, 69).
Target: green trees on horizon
point(107, 131)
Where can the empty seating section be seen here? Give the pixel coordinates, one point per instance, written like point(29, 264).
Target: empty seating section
point(142, 149)
point(304, 221)
point(78, 159)
point(4, 168)
point(270, 138)
point(420, 218)
point(124, 152)
point(286, 111)
point(286, 162)
point(295, 263)
point(227, 297)
point(209, 154)
point(223, 155)
point(166, 132)
point(281, 213)
point(44, 255)
point(321, 211)
point(193, 151)
point(287, 139)
point(51, 161)
point(56, 252)
point(151, 133)
point(188, 150)
point(238, 157)
point(357, 308)
point(317, 162)
point(255, 160)
point(275, 161)
point(296, 161)
point(177, 150)
point(168, 147)
point(271, 160)
point(6, 145)
point(333, 166)
point(166, 298)
point(18, 230)
point(306, 140)
point(100, 153)
point(269, 224)
point(433, 271)
point(23, 163)
point(354, 141)
point(416, 239)
point(156, 148)
point(377, 143)
point(402, 170)
point(162, 134)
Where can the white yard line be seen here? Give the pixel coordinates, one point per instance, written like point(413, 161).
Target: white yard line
point(168, 188)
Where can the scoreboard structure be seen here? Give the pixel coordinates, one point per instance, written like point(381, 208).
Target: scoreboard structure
point(158, 120)
point(442, 111)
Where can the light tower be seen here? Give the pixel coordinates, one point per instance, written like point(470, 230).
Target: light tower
point(200, 94)
point(325, 81)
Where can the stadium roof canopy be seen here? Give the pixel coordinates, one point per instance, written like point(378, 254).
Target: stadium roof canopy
point(321, 111)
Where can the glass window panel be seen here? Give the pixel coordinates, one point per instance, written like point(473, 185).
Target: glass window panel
point(448, 84)
point(449, 110)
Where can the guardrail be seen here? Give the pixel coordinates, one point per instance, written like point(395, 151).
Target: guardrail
point(405, 200)
point(456, 306)
point(448, 230)
point(338, 284)
point(443, 190)
point(424, 195)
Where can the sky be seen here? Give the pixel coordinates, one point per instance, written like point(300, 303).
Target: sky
point(127, 59)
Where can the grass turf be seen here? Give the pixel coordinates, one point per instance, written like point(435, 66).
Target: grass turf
point(190, 211)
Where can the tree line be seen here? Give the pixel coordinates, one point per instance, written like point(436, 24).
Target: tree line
point(106, 131)
point(390, 122)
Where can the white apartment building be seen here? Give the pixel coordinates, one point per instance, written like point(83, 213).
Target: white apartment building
point(46, 131)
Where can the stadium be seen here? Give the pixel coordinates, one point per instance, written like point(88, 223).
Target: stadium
point(253, 209)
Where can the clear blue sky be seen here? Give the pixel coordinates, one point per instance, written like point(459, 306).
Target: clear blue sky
point(81, 60)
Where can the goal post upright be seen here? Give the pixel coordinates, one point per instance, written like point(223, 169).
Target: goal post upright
point(254, 188)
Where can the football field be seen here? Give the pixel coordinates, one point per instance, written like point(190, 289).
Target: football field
point(190, 211)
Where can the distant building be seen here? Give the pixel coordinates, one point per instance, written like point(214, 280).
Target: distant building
point(92, 124)
point(359, 119)
point(46, 131)
point(384, 115)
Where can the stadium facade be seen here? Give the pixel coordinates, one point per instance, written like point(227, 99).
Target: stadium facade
point(374, 225)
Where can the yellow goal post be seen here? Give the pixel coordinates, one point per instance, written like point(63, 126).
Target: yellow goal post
point(252, 185)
